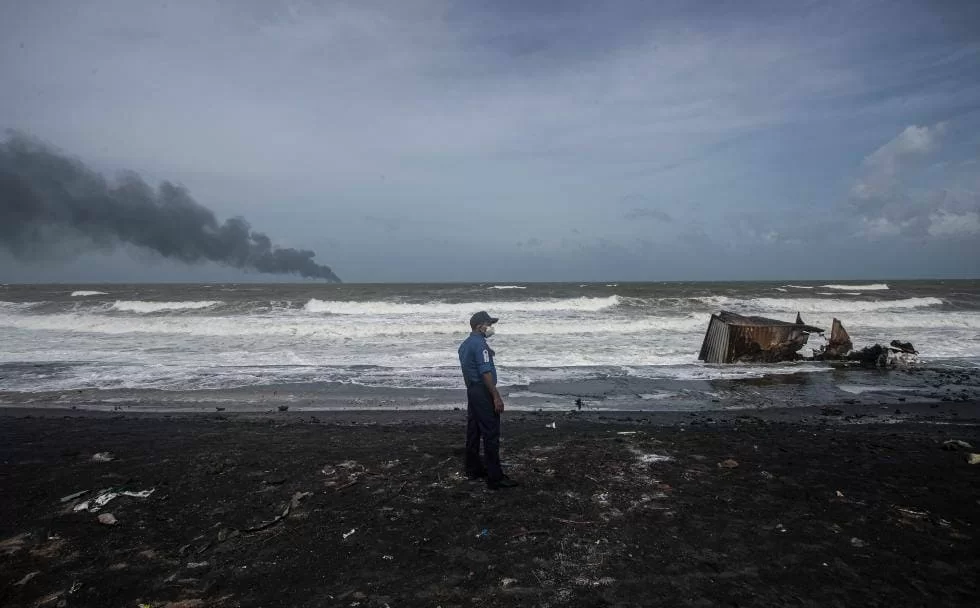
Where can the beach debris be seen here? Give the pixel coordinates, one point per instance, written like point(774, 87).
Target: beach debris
point(781, 528)
point(728, 463)
point(347, 535)
point(955, 444)
point(840, 494)
point(551, 426)
point(483, 533)
point(191, 603)
point(735, 338)
point(107, 519)
point(13, 544)
point(106, 496)
point(73, 496)
point(885, 356)
point(103, 457)
point(857, 542)
point(650, 458)
point(297, 497)
point(973, 459)
point(911, 513)
point(268, 524)
point(507, 582)
point(27, 578)
point(388, 557)
point(905, 347)
point(838, 345)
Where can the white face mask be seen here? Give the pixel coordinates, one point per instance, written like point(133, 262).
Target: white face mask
point(488, 331)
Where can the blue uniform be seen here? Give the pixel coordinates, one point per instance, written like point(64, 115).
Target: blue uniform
point(482, 422)
point(476, 359)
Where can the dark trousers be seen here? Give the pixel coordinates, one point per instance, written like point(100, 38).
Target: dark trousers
point(482, 421)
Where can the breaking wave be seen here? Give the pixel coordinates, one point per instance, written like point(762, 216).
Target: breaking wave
point(507, 287)
point(140, 306)
point(870, 287)
point(242, 326)
point(813, 305)
point(82, 294)
point(461, 308)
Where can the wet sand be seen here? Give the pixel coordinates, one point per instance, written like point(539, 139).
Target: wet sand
point(835, 506)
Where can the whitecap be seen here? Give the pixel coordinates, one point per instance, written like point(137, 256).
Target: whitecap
point(507, 287)
point(82, 294)
point(151, 307)
point(815, 305)
point(382, 307)
point(869, 287)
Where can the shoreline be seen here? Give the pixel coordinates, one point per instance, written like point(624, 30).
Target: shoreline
point(848, 505)
point(966, 411)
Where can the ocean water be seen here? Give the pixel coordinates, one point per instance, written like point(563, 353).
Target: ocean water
point(612, 346)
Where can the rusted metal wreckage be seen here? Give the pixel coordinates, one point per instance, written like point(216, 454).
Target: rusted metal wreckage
point(735, 338)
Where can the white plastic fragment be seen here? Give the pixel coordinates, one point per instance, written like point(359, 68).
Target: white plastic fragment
point(107, 495)
point(73, 496)
point(103, 457)
point(27, 578)
point(347, 534)
point(551, 426)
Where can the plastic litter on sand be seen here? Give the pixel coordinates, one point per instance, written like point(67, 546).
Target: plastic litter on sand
point(106, 496)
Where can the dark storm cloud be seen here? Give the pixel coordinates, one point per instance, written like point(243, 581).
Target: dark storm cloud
point(45, 195)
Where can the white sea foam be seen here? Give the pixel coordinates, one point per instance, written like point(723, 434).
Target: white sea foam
point(816, 305)
point(507, 287)
point(869, 287)
point(151, 307)
point(330, 327)
point(799, 286)
point(381, 307)
point(82, 294)
point(394, 343)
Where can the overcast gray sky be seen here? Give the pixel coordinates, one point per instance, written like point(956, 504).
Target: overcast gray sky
point(518, 141)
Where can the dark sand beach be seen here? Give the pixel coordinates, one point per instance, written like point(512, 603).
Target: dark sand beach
point(849, 505)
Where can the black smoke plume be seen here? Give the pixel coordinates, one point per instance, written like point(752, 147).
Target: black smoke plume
point(44, 193)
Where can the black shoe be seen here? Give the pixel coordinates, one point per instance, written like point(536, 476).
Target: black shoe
point(503, 482)
point(474, 476)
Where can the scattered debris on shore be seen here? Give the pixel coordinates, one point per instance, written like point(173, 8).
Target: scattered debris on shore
point(735, 338)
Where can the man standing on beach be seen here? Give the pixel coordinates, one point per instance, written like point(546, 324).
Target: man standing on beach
point(483, 403)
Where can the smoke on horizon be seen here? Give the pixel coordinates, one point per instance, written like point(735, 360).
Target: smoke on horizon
point(44, 192)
